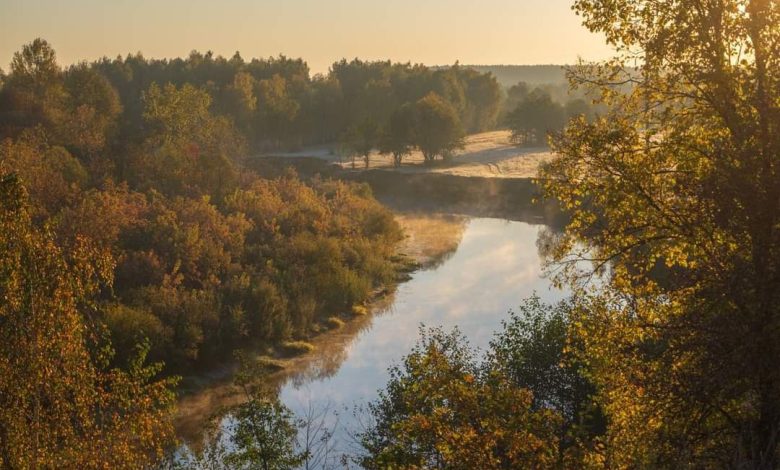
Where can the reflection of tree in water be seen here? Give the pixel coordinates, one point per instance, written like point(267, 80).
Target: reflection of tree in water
point(330, 353)
point(546, 242)
point(432, 239)
point(331, 348)
point(262, 432)
point(439, 261)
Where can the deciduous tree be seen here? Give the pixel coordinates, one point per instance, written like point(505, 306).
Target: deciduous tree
point(438, 131)
point(677, 193)
point(441, 411)
point(59, 404)
point(397, 137)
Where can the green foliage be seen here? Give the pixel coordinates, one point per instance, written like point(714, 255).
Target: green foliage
point(331, 235)
point(438, 131)
point(187, 151)
point(192, 315)
point(442, 409)
point(239, 100)
point(531, 349)
point(35, 64)
point(93, 106)
point(263, 436)
point(483, 100)
point(78, 108)
point(174, 113)
point(173, 120)
point(277, 109)
point(259, 433)
point(397, 138)
point(526, 403)
point(535, 116)
point(535, 350)
point(675, 191)
point(277, 104)
point(360, 139)
point(132, 326)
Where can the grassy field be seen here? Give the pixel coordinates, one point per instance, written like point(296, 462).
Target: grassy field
point(487, 155)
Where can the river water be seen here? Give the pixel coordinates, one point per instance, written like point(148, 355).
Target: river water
point(494, 268)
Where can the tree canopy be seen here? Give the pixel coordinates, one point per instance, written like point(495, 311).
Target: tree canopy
point(525, 403)
point(676, 192)
point(62, 406)
point(440, 411)
point(438, 130)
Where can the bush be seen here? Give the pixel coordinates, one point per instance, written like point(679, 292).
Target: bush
point(130, 326)
point(359, 310)
point(269, 364)
point(296, 348)
point(334, 323)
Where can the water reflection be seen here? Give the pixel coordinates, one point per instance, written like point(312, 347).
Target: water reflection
point(491, 265)
point(495, 267)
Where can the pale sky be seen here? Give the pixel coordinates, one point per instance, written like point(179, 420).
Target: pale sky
point(433, 32)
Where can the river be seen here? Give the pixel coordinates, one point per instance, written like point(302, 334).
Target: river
point(494, 267)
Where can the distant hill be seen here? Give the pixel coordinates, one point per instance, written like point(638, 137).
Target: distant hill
point(508, 75)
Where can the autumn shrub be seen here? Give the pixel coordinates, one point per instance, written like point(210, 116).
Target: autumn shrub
point(296, 348)
point(129, 326)
point(269, 364)
point(359, 310)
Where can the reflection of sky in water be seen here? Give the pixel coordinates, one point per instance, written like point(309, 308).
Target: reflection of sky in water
point(496, 266)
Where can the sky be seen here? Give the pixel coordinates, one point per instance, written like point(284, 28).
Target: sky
point(432, 32)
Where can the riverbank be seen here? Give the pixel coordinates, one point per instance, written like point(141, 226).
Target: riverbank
point(433, 208)
point(517, 199)
point(429, 240)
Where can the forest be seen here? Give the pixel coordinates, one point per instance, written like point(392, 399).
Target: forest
point(148, 242)
point(139, 242)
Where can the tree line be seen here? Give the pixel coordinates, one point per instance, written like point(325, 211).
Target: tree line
point(274, 102)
